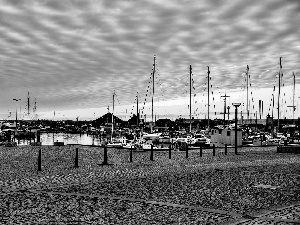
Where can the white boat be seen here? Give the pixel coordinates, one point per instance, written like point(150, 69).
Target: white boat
point(117, 143)
point(146, 146)
point(114, 145)
point(151, 135)
point(129, 145)
point(200, 140)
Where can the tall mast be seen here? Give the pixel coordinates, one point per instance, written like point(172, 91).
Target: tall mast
point(153, 91)
point(247, 110)
point(137, 109)
point(294, 97)
point(293, 106)
point(278, 109)
point(208, 77)
point(112, 117)
point(190, 98)
point(34, 110)
point(273, 105)
point(28, 104)
point(16, 119)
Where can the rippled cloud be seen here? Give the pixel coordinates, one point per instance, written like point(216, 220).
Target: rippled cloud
point(72, 54)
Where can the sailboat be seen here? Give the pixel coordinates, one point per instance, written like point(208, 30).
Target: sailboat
point(193, 141)
point(114, 143)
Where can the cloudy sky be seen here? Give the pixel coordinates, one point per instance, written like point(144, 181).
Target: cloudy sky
point(72, 54)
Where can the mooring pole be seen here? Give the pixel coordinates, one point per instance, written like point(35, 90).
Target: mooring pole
point(105, 156)
point(130, 156)
point(200, 151)
point(187, 151)
point(40, 160)
point(151, 153)
point(76, 158)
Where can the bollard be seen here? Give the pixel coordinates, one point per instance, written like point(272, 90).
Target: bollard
point(186, 151)
point(225, 149)
point(214, 150)
point(130, 156)
point(151, 153)
point(38, 136)
point(40, 160)
point(105, 156)
point(170, 152)
point(200, 151)
point(76, 158)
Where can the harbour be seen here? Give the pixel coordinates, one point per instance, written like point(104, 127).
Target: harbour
point(149, 112)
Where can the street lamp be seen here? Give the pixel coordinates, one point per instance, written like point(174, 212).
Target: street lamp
point(16, 99)
point(228, 107)
point(236, 105)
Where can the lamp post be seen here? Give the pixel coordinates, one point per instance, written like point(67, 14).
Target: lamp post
point(16, 99)
point(228, 107)
point(236, 105)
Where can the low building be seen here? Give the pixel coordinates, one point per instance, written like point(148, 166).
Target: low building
point(222, 136)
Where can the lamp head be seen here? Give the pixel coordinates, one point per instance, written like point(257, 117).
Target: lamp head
point(236, 104)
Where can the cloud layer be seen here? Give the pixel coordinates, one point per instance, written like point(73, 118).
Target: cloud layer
point(72, 54)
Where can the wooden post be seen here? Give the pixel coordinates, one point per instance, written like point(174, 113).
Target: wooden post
point(76, 158)
point(40, 160)
point(214, 150)
point(200, 151)
point(151, 153)
point(38, 136)
point(170, 152)
point(130, 156)
point(105, 156)
point(186, 151)
point(225, 149)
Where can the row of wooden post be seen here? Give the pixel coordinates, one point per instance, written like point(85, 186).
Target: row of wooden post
point(105, 161)
point(186, 152)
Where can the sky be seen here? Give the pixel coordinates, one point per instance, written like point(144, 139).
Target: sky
point(72, 55)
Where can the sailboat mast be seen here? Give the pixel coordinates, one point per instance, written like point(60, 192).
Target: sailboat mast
point(208, 77)
point(278, 109)
point(28, 104)
point(137, 109)
point(190, 98)
point(294, 98)
point(112, 117)
point(247, 93)
point(153, 91)
point(16, 119)
point(293, 106)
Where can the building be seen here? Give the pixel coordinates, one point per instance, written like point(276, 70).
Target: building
point(221, 136)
